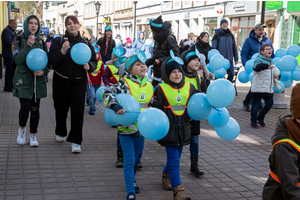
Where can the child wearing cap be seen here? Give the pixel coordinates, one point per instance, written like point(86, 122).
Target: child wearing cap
point(111, 76)
point(136, 84)
point(191, 65)
point(128, 49)
point(171, 97)
point(284, 177)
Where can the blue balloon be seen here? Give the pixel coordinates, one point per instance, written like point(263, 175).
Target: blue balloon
point(153, 124)
point(281, 89)
point(211, 53)
point(288, 63)
point(108, 119)
point(285, 75)
point(208, 68)
point(250, 77)
point(293, 50)
point(296, 74)
point(220, 93)
point(216, 62)
point(288, 83)
point(249, 66)
point(220, 73)
point(226, 64)
point(218, 117)
point(131, 106)
point(198, 107)
point(230, 131)
point(254, 56)
point(276, 60)
point(36, 59)
point(81, 53)
point(243, 77)
point(280, 53)
point(99, 93)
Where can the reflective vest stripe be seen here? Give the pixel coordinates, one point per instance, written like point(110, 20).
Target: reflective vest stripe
point(176, 107)
point(296, 146)
point(97, 70)
point(113, 70)
point(143, 105)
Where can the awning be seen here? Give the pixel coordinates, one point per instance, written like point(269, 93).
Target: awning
point(293, 7)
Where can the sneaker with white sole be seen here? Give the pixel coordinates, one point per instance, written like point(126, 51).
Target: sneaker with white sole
point(32, 141)
point(21, 139)
point(76, 148)
point(60, 138)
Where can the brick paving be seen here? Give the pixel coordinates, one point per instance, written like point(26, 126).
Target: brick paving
point(234, 169)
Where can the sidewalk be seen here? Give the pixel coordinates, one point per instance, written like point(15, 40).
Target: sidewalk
point(234, 169)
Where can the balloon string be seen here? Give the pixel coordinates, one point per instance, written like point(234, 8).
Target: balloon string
point(34, 90)
point(218, 110)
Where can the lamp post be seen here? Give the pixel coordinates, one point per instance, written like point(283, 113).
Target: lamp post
point(134, 20)
point(97, 6)
point(76, 13)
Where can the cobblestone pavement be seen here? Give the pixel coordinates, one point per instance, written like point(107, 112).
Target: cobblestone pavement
point(234, 169)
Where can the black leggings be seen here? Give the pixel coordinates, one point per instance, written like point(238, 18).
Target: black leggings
point(29, 105)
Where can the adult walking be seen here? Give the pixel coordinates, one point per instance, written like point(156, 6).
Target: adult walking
point(69, 83)
point(106, 44)
point(7, 37)
point(24, 79)
point(224, 42)
point(202, 45)
point(257, 37)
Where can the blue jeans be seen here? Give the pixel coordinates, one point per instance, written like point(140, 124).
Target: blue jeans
point(194, 146)
point(248, 100)
point(132, 146)
point(92, 89)
point(173, 164)
point(255, 103)
point(87, 93)
point(230, 72)
point(119, 147)
point(149, 72)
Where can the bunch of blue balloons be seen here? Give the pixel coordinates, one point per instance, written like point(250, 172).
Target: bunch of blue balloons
point(220, 93)
point(217, 63)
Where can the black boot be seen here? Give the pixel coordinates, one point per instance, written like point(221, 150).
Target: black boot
point(195, 168)
point(119, 162)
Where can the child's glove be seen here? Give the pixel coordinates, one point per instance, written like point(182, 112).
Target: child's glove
point(116, 107)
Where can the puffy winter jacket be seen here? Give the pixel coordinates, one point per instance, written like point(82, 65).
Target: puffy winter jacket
point(107, 56)
point(8, 35)
point(138, 44)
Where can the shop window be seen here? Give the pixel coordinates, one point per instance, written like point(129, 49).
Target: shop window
point(210, 24)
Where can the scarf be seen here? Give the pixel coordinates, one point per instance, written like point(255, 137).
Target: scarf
point(205, 45)
point(293, 129)
point(106, 45)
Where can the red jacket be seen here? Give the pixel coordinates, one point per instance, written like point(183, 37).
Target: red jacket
point(95, 76)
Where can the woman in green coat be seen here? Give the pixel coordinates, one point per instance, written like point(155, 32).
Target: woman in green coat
point(23, 79)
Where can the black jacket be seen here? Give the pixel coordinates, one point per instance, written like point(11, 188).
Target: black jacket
point(202, 49)
point(7, 37)
point(285, 163)
point(64, 64)
point(109, 49)
point(180, 126)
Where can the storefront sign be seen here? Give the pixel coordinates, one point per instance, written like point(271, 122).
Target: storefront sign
point(274, 5)
point(219, 10)
point(293, 6)
point(106, 19)
point(241, 7)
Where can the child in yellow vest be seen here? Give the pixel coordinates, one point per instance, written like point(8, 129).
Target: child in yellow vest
point(171, 97)
point(134, 83)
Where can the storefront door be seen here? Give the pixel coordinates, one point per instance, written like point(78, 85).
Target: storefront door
point(270, 30)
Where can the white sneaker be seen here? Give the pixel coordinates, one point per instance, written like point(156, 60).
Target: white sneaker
point(76, 148)
point(21, 139)
point(32, 141)
point(60, 138)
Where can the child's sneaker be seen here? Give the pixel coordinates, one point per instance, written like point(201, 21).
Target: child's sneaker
point(92, 112)
point(136, 188)
point(130, 196)
point(254, 125)
point(60, 138)
point(261, 122)
point(32, 141)
point(21, 139)
point(76, 148)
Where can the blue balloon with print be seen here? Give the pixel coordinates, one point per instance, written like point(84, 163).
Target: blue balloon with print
point(230, 131)
point(243, 77)
point(254, 56)
point(211, 53)
point(288, 63)
point(130, 105)
point(36, 59)
point(285, 75)
point(288, 83)
point(220, 73)
point(108, 119)
point(276, 60)
point(220, 93)
point(296, 74)
point(226, 64)
point(218, 117)
point(198, 107)
point(216, 62)
point(99, 93)
point(281, 83)
point(249, 66)
point(251, 77)
point(293, 50)
point(153, 124)
point(280, 53)
point(81, 53)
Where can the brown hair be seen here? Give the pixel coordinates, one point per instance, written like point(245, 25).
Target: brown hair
point(37, 19)
point(182, 41)
point(202, 35)
point(262, 47)
point(104, 38)
point(73, 18)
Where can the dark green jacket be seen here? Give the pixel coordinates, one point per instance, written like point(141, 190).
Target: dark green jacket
point(23, 79)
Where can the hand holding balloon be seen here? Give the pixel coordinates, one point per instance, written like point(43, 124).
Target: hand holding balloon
point(121, 112)
point(31, 40)
point(157, 61)
point(271, 67)
point(86, 66)
point(65, 47)
point(38, 73)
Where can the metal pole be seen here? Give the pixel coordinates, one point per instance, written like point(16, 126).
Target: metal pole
point(134, 20)
point(96, 34)
point(9, 9)
point(263, 7)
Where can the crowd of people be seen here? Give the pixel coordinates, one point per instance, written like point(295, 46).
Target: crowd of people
point(176, 73)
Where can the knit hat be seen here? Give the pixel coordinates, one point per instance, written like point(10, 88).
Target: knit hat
point(156, 24)
point(128, 40)
point(172, 65)
point(295, 102)
point(188, 56)
point(223, 21)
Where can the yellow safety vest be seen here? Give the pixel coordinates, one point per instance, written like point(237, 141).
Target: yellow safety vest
point(177, 99)
point(114, 71)
point(193, 81)
point(97, 70)
point(143, 94)
point(296, 146)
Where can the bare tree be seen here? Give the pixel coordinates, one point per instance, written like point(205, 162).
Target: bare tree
point(28, 8)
